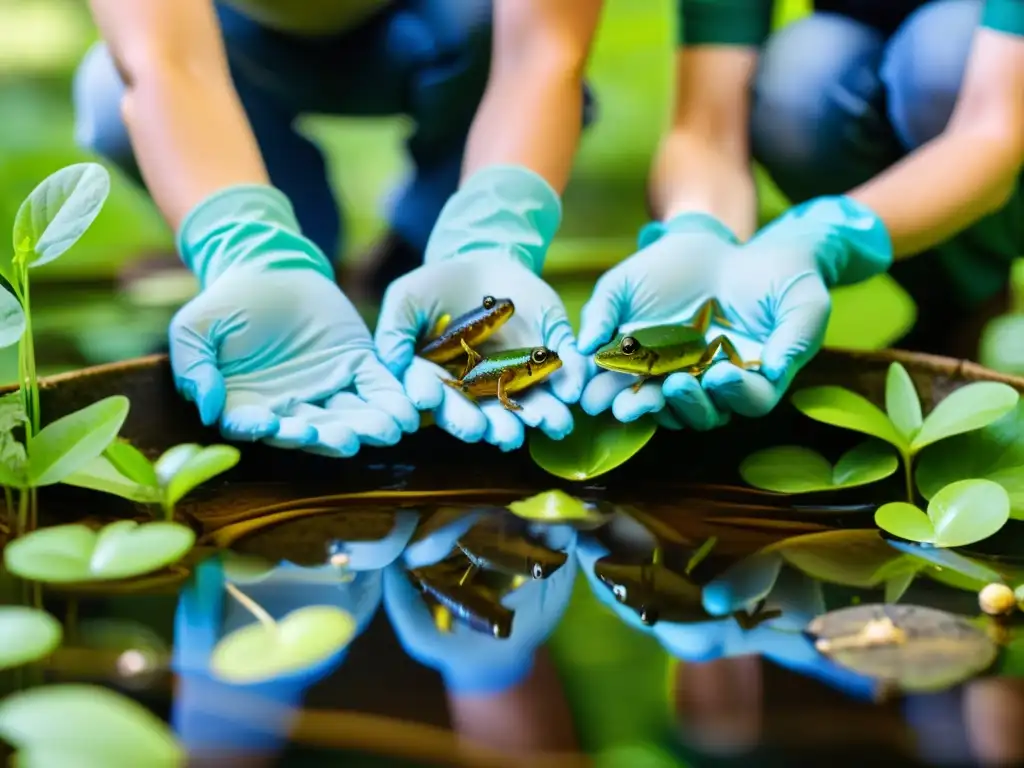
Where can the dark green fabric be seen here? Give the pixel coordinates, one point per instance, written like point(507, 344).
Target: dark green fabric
point(724, 22)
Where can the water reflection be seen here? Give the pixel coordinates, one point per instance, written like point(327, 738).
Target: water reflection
point(483, 603)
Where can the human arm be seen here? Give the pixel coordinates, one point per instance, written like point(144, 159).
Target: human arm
point(970, 170)
point(180, 106)
point(532, 111)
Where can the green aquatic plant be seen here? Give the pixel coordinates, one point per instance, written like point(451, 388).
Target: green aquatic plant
point(596, 445)
point(123, 470)
point(552, 507)
point(28, 635)
point(962, 513)
point(795, 469)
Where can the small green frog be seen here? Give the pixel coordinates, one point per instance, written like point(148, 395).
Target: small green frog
point(505, 372)
point(663, 349)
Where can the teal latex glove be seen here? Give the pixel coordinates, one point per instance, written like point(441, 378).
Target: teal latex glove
point(470, 662)
point(490, 239)
point(773, 291)
point(270, 347)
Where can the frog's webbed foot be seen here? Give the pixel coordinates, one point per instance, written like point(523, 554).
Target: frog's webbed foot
point(504, 381)
point(472, 358)
point(641, 380)
point(723, 343)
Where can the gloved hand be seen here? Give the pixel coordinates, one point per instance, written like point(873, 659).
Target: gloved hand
point(271, 347)
point(490, 239)
point(773, 291)
point(470, 662)
point(205, 711)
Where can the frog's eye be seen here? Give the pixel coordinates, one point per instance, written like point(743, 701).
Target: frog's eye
point(629, 345)
point(539, 355)
point(489, 302)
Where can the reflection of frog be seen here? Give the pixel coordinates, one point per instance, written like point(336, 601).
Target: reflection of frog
point(663, 349)
point(447, 586)
point(653, 591)
point(496, 546)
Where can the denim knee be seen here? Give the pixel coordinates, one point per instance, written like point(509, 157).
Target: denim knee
point(816, 85)
point(97, 91)
point(923, 68)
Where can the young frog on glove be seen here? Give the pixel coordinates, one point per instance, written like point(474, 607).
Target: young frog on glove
point(661, 350)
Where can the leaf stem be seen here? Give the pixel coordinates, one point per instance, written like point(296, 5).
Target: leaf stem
point(252, 606)
point(22, 511)
point(908, 475)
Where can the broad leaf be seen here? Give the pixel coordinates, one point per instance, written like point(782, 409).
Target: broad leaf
point(995, 452)
point(905, 520)
point(551, 506)
point(971, 407)
point(173, 459)
point(71, 442)
point(12, 319)
point(59, 211)
point(132, 463)
point(842, 408)
point(12, 411)
point(85, 726)
point(902, 403)
point(76, 553)
point(597, 444)
point(13, 462)
point(898, 585)
point(949, 567)
point(200, 467)
point(100, 474)
point(856, 558)
point(794, 469)
point(960, 514)
point(28, 635)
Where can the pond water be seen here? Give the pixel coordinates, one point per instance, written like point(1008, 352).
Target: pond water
point(669, 632)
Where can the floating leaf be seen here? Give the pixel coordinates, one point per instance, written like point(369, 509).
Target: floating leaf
point(917, 649)
point(12, 319)
point(902, 403)
point(551, 506)
point(960, 514)
point(76, 553)
point(597, 444)
point(995, 452)
point(132, 463)
point(302, 639)
point(842, 408)
point(100, 474)
point(794, 469)
point(971, 407)
point(59, 211)
point(85, 726)
point(28, 635)
point(198, 468)
point(853, 558)
point(71, 442)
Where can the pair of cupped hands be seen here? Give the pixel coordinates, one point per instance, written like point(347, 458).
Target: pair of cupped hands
point(273, 350)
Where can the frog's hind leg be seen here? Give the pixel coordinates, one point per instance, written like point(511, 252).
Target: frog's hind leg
point(723, 343)
point(710, 311)
point(503, 381)
point(472, 358)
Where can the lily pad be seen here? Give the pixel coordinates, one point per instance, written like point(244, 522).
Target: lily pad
point(971, 407)
point(962, 513)
point(77, 553)
point(995, 452)
point(596, 445)
point(795, 469)
point(85, 726)
point(842, 408)
point(551, 506)
point(915, 649)
point(28, 635)
point(302, 639)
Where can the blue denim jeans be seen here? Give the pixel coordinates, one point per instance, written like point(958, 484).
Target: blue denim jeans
point(837, 100)
point(425, 59)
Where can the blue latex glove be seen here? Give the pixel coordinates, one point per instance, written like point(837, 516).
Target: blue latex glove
point(490, 239)
point(772, 290)
point(470, 662)
point(209, 714)
point(271, 347)
point(780, 640)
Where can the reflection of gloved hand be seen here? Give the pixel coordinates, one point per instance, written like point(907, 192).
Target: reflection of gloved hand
point(773, 291)
point(206, 712)
point(271, 347)
point(491, 239)
point(469, 661)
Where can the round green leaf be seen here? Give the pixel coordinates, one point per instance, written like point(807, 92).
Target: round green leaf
point(28, 635)
point(12, 319)
point(200, 467)
point(71, 442)
point(551, 506)
point(132, 463)
point(855, 557)
point(866, 463)
point(173, 459)
point(85, 726)
point(1001, 347)
point(101, 475)
point(75, 553)
point(842, 408)
point(302, 639)
point(968, 408)
point(902, 403)
point(905, 520)
point(787, 469)
point(968, 511)
point(597, 444)
point(59, 211)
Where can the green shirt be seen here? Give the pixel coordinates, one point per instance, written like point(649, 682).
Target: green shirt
point(749, 22)
point(308, 17)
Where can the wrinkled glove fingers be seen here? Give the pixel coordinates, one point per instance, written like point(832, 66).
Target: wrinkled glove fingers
point(691, 404)
point(375, 384)
point(504, 430)
point(372, 425)
point(801, 319)
point(460, 417)
point(629, 405)
point(400, 324)
point(437, 545)
point(601, 391)
point(194, 364)
point(744, 392)
point(541, 409)
point(424, 384)
point(335, 436)
point(568, 381)
point(248, 417)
